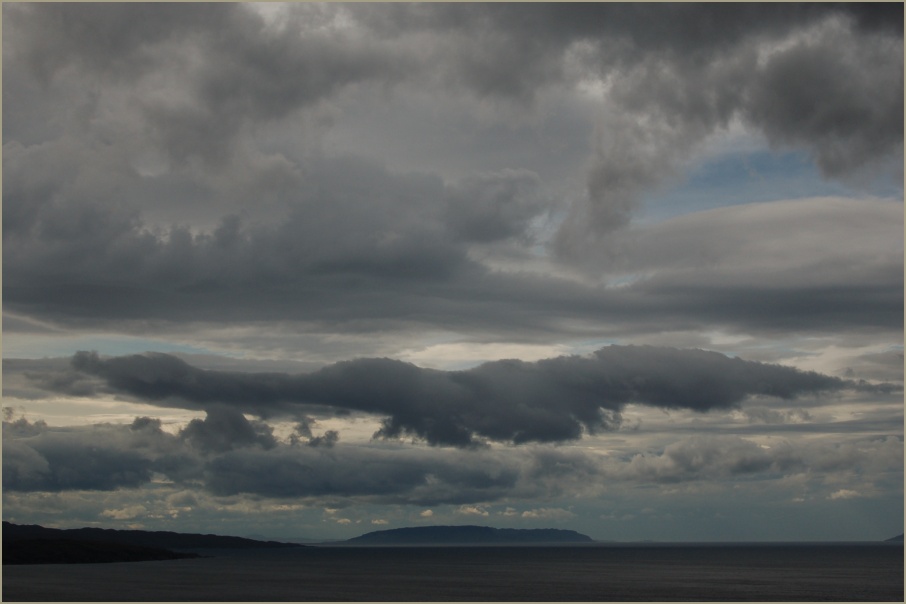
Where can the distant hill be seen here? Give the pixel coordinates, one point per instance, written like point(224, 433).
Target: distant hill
point(464, 535)
point(898, 538)
point(68, 551)
point(34, 544)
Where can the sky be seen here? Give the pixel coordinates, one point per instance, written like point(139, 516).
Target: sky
point(306, 271)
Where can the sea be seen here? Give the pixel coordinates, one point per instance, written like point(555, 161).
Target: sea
point(600, 572)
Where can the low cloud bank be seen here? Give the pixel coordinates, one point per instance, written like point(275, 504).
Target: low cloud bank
point(551, 400)
point(38, 458)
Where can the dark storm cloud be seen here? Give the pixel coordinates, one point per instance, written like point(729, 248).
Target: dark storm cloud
point(532, 33)
point(224, 429)
point(837, 100)
point(512, 401)
point(351, 245)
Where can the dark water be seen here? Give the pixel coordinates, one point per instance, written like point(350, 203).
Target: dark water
point(758, 572)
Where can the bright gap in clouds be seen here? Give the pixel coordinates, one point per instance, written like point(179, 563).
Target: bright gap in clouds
point(30, 346)
point(740, 178)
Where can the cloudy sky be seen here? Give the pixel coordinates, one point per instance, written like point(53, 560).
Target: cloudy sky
point(312, 270)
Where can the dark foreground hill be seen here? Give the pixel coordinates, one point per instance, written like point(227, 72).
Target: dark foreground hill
point(34, 544)
point(165, 539)
point(897, 539)
point(68, 551)
point(467, 535)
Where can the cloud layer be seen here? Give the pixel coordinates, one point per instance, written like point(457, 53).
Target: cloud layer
point(198, 170)
point(37, 457)
point(513, 401)
point(646, 262)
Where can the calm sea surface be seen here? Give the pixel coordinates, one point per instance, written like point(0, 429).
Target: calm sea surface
point(600, 572)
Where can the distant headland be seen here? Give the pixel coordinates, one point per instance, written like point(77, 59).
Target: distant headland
point(34, 544)
point(468, 535)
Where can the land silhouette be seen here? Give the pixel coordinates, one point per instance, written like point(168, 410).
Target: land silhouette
point(35, 544)
point(468, 535)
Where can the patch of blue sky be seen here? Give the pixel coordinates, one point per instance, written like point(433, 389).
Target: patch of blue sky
point(752, 177)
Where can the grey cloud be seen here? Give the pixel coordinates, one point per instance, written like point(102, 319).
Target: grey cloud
point(680, 72)
point(663, 109)
point(225, 429)
point(886, 366)
point(253, 79)
point(840, 99)
point(535, 32)
point(766, 415)
point(844, 109)
point(302, 428)
point(123, 457)
point(37, 457)
point(353, 217)
point(338, 474)
point(562, 470)
point(722, 457)
point(34, 378)
point(234, 70)
point(328, 439)
point(23, 467)
point(161, 376)
point(493, 206)
point(784, 310)
point(112, 39)
point(814, 241)
point(392, 477)
point(394, 266)
point(250, 72)
point(872, 424)
point(147, 424)
point(343, 237)
point(704, 70)
point(105, 458)
point(710, 457)
point(770, 267)
point(22, 428)
point(874, 455)
point(551, 400)
point(55, 461)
